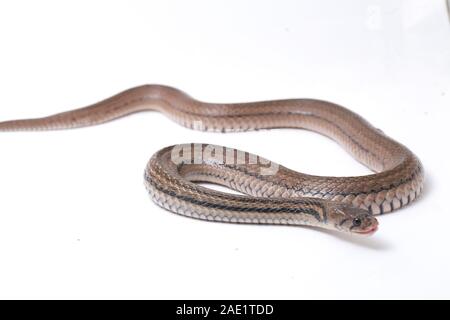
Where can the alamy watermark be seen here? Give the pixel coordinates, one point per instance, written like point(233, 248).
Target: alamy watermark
point(374, 19)
point(197, 153)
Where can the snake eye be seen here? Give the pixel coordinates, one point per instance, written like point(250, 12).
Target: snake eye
point(357, 222)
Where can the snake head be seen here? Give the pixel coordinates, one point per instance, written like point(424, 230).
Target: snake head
point(350, 219)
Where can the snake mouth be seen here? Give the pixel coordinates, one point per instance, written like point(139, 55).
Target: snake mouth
point(369, 231)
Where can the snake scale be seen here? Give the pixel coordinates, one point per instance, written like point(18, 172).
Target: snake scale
point(272, 194)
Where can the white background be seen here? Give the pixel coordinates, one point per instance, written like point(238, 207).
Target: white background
point(75, 219)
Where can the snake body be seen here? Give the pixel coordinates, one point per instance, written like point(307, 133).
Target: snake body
point(273, 194)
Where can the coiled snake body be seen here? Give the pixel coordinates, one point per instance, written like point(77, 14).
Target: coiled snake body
point(273, 194)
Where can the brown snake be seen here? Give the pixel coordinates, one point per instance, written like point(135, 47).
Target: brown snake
point(274, 194)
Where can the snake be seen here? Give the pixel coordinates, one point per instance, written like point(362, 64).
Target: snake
point(176, 177)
